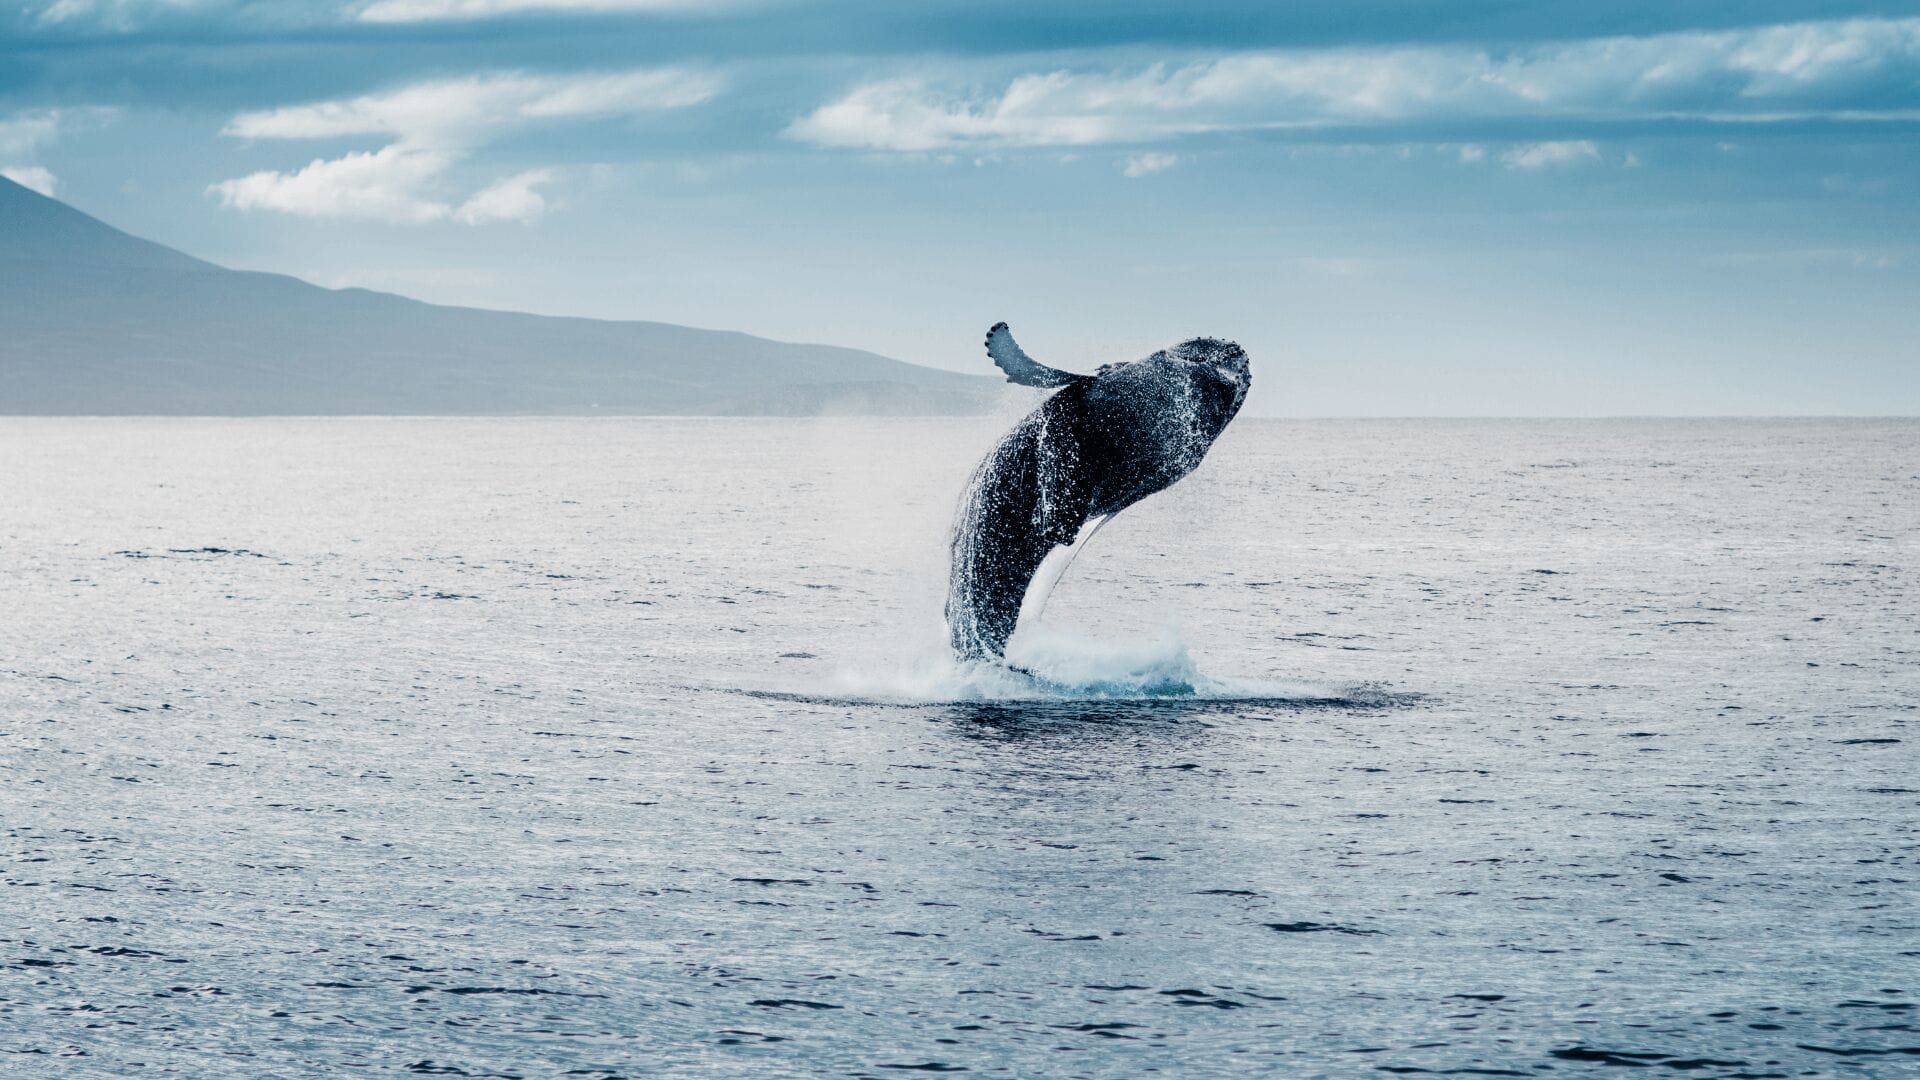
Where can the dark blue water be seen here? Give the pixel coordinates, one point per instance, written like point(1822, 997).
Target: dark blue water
point(626, 748)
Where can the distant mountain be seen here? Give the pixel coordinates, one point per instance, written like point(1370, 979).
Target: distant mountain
point(94, 321)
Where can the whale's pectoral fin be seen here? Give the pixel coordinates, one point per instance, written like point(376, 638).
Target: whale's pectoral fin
point(1009, 357)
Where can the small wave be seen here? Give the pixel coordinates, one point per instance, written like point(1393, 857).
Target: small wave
point(1046, 666)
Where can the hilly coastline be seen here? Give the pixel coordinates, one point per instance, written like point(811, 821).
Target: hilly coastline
point(98, 322)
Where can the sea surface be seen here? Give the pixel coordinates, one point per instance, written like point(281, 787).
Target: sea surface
point(628, 748)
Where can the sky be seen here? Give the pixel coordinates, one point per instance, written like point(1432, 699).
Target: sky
point(1400, 207)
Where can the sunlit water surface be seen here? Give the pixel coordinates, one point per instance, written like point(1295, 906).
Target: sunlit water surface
point(627, 748)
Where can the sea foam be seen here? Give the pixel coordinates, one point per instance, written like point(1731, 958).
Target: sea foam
point(1048, 663)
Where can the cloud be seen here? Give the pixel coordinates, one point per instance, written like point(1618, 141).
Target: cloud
point(457, 110)
point(24, 133)
point(1540, 155)
point(406, 11)
point(112, 14)
point(32, 177)
point(1847, 184)
point(1842, 69)
point(512, 199)
point(1057, 109)
point(120, 16)
point(1854, 258)
point(383, 185)
point(432, 126)
point(1147, 164)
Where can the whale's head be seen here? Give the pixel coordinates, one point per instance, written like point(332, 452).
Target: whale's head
point(1219, 365)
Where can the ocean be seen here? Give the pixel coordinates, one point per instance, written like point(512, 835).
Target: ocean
point(630, 748)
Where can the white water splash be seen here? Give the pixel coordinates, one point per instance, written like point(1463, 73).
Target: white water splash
point(1051, 664)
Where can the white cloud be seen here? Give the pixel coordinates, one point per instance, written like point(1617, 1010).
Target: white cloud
point(511, 199)
point(1856, 258)
point(434, 125)
point(1470, 153)
point(1149, 163)
point(1057, 109)
point(125, 15)
point(113, 14)
point(404, 11)
point(1826, 69)
point(1846, 184)
point(1543, 154)
point(23, 133)
point(32, 177)
point(383, 185)
point(457, 110)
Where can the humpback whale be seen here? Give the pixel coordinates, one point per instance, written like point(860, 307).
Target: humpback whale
point(1100, 444)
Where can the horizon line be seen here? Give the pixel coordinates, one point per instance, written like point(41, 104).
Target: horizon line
point(6, 416)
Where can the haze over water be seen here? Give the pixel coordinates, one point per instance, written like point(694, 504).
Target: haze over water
point(626, 748)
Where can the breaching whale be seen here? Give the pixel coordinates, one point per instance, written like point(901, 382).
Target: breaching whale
point(1102, 443)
